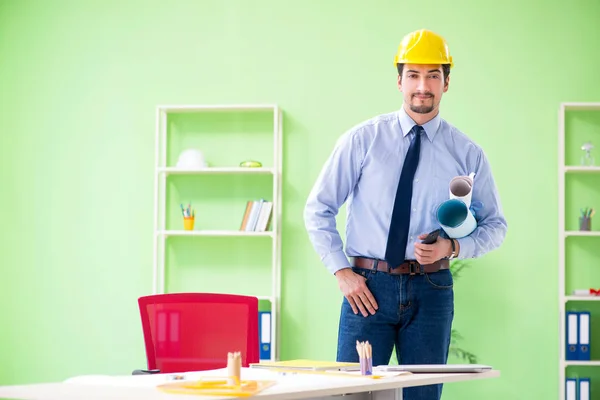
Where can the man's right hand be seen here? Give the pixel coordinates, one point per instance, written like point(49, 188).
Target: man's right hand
point(354, 288)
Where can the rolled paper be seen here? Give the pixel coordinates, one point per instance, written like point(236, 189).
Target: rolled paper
point(456, 219)
point(461, 187)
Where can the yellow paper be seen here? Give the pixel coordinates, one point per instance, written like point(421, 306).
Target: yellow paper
point(246, 388)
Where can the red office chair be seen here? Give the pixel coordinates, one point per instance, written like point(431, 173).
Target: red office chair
point(195, 331)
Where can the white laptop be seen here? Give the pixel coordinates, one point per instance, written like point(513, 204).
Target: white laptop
point(435, 368)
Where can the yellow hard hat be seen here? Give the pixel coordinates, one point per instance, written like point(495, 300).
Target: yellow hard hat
point(423, 47)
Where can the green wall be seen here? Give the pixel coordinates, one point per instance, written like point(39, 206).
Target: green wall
point(79, 81)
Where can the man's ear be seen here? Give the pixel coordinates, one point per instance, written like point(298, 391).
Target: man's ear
point(447, 84)
point(399, 82)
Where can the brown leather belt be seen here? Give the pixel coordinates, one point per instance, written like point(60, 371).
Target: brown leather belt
point(409, 267)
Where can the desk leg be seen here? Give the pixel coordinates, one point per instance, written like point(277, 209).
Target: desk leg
point(389, 394)
point(351, 396)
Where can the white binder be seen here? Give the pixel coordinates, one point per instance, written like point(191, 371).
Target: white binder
point(584, 388)
point(571, 389)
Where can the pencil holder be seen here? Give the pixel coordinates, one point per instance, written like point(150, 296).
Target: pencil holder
point(234, 368)
point(366, 366)
point(365, 352)
point(188, 223)
point(585, 223)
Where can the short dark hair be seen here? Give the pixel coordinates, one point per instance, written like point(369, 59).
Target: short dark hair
point(445, 69)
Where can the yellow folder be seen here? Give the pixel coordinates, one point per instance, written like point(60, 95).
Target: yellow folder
point(307, 365)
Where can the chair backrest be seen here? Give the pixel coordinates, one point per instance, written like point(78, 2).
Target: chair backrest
point(195, 331)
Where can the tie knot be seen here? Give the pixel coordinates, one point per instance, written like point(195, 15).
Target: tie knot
point(417, 129)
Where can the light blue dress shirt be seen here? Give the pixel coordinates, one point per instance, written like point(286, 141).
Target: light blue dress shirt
point(363, 170)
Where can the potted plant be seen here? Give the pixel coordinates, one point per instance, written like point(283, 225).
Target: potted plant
point(456, 267)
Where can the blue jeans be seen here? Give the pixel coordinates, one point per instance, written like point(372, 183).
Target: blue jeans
point(415, 315)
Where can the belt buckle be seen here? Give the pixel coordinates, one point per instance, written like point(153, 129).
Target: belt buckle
point(415, 268)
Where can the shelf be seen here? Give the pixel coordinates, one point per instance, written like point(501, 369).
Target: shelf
point(581, 363)
point(184, 126)
point(574, 128)
point(216, 107)
point(216, 170)
point(214, 233)
point(575, 168)
point(582, 298)
point(582, 233)
point(581, 106)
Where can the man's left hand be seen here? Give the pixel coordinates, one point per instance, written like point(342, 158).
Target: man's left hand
point(430, 253)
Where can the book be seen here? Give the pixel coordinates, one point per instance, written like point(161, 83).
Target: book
point(257, 216)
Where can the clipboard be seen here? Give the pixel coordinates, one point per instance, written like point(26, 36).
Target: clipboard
point(435, 368)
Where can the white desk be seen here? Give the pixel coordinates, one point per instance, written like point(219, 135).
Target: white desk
point(288, 387)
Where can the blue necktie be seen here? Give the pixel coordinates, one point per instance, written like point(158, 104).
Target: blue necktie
point(398, 234)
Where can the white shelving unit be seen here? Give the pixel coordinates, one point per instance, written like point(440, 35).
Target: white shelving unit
point(564, 235)
point(162, 171)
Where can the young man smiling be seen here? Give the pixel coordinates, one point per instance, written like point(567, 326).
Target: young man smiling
point(394, 170)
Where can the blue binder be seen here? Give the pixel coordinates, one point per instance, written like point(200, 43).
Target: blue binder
point(264, 335)
point(584, 389)
point(572, 336)
point(583, 347)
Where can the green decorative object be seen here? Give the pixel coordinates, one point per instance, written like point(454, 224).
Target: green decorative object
point(251, 164)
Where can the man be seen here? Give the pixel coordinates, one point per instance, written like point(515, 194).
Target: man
point(394, 170)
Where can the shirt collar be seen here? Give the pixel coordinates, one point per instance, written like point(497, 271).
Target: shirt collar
point(407, 123)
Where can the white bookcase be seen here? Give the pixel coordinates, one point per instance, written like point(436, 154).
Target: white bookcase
point(565, 233)
point(163, 171)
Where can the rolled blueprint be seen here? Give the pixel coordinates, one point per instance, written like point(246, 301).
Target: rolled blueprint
point(456, 219)
point(454, 215)
point(461, 187)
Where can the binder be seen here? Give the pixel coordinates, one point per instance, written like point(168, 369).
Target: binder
point(570, 389)
point(584, 336)
point(572, 336)
point(264, 334)
point(584, 389)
